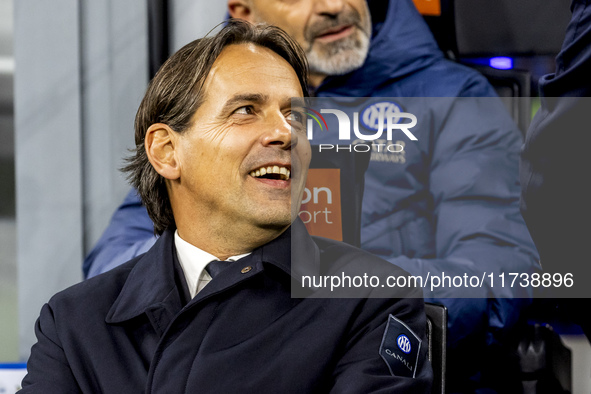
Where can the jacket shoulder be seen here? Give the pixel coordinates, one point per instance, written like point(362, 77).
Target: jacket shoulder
point(367, 272)
point(338, 254)
point(96, 293)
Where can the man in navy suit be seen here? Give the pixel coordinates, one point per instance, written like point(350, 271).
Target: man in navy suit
point(219, 157)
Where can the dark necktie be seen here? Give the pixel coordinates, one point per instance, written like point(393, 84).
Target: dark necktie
point(215, 267)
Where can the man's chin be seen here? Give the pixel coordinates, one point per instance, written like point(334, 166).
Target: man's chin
point(337, 58)
point(277, 223)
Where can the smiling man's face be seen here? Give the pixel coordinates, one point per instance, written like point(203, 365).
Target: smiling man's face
point(335, 34)
point(240, 161)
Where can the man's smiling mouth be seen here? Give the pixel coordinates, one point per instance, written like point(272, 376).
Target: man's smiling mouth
point(272, 172)
point(335, 33)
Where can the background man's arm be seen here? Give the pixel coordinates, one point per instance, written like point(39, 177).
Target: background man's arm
point(129, 234)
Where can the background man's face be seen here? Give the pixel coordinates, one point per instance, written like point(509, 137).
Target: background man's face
point(241, 136)
point(335, 34)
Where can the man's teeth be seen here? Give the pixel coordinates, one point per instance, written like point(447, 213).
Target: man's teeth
point(283, 172)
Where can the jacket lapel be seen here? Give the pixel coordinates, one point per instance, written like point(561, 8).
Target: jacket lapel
point(150, 288)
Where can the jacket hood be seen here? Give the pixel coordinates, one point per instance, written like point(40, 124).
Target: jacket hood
point(401, 44)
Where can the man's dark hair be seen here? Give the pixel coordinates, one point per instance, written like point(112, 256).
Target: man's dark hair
point(175, 94)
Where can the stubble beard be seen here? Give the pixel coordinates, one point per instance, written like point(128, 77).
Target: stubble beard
point(342, 56)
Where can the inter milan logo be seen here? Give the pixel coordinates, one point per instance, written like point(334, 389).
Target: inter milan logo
point(377, 113)
point(403, 343)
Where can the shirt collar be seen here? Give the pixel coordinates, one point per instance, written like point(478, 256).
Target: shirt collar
point(193, 261)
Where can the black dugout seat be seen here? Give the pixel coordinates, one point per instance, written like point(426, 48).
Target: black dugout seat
point(474, 30)
point(437, 337)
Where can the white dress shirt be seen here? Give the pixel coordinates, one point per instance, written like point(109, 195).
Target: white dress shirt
point(193, 262)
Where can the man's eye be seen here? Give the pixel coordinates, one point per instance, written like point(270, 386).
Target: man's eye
point(246, 110)
point(295, 116)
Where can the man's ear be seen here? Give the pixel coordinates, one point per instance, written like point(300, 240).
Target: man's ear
point(160, 144)
point(240, 9)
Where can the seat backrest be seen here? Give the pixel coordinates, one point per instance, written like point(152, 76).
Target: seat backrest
point(495, 28)
point(513, 87)
point(437, 342)
point(509, 27)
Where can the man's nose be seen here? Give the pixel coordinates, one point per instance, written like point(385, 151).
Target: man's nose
point(329, 7)
point(278, 132)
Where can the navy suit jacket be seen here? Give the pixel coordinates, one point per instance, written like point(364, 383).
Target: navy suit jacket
point(134, 329)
